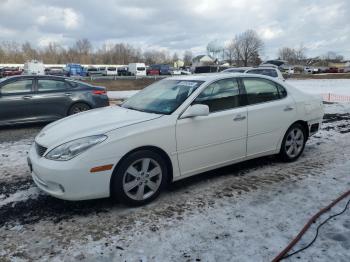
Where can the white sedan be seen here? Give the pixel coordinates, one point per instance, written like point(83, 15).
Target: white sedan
point(174, 128)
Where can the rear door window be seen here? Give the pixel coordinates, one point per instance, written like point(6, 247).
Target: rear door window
point(260, 90)
point(22, 86)
point(51, 85)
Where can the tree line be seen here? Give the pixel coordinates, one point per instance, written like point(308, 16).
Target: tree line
point(83, 52)
point(244, 49)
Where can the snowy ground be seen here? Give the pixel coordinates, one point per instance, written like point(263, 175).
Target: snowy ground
point(313, 86)
point(245, 212)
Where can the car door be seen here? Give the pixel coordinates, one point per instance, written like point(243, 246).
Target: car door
point(52, 97)
point(211, 141)
point(270, 112)
point(16, 101)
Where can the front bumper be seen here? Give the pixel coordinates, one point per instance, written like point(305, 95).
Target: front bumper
point(72, 179)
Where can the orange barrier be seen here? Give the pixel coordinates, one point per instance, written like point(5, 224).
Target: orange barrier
point(335, 98)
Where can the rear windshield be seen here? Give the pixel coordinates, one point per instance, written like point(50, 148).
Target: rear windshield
point(266, 72)
point(141, 69)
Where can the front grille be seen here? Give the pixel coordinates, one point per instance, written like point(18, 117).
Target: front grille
point(40, 150)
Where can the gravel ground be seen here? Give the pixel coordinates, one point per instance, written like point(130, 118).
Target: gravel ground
point(244, 212)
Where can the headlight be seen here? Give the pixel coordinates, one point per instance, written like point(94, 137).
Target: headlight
point(73, 148)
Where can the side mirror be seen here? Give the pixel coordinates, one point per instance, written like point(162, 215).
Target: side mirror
point(196, 110)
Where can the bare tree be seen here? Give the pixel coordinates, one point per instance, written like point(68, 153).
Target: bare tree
point(188, 58)
point(175, 57)
point(300, 53)
point(248, 45)
point(332, 56)
point(29, 53)
point(293, 56)
point(231, 52)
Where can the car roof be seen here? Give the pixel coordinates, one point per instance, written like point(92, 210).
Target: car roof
point(262, 68)
point(40, 76)
point(216, 76)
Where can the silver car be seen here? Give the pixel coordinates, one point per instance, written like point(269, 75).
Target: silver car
point(28, 99)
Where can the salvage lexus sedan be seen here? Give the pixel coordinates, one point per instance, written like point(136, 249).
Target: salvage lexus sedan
point(174, 128)
point(28, 99)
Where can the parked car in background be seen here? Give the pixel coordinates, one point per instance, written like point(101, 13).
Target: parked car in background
point(236, 70)
point(123, 71)
point(209, 69)
point(10, 71)
point(163, 69)
point(308, 70)
point(152, 71)
point(267, 71)
point(34, 67)
point(137, 69)
point(110, 71)
point(30, 98)
point(74, 70)
point(332, 70)
point(132, 152)
point(94, 71)
point(55, 71)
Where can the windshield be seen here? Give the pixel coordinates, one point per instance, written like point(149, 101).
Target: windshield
point(162, 97)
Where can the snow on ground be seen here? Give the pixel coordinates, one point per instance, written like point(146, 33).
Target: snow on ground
point(322, 86)
point(313, 86)
point(245, 212)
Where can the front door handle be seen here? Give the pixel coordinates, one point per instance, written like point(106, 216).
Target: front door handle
point(239, 118)
point(68, 94)
point(288, 108)
point(27, 97)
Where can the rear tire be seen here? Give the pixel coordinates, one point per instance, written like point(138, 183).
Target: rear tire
point(140, 178)
point(293, 143)
point(78, 108)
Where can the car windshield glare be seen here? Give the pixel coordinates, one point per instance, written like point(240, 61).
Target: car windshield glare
point(162, 97)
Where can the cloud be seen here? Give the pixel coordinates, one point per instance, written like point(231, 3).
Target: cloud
point(179, 25)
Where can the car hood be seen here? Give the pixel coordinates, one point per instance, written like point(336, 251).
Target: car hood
point(92, 122)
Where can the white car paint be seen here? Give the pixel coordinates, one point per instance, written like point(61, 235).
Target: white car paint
point(137, 69)
point(110, 71)
point(193, 145)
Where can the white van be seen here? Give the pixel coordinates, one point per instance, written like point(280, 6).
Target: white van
point(34, 67)
point(137, 69)
point(110, 71)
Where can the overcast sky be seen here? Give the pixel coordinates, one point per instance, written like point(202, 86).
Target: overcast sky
point(178, 25)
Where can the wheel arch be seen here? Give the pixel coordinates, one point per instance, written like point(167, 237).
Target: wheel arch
point(304, 125)
point(155, 149)
point(78, 102)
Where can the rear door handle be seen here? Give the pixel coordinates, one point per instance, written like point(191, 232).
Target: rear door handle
point(27, 97)
point(288, 108)
point(239, 118)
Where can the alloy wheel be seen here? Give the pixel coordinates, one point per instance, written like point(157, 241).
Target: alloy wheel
point(295, 142)
point(142, 179)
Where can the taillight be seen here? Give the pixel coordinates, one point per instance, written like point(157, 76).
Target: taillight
point(99, 92)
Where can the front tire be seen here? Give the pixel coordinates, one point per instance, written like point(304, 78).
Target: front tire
point(140, 178)
point(293, 143)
